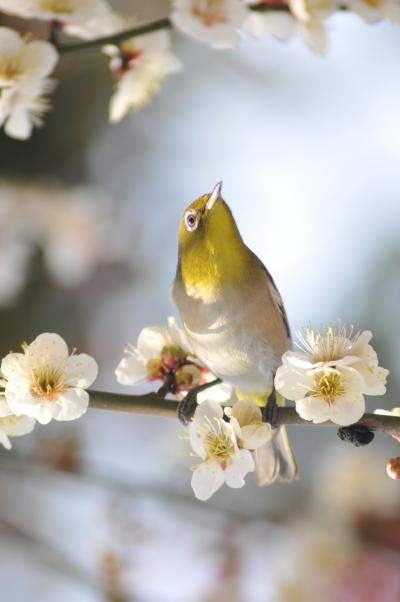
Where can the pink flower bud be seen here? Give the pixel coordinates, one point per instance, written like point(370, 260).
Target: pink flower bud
point(393, 468)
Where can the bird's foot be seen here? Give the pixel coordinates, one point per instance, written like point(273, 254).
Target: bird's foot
point(270, 411)
point(188, 405)
point(168, 386)
point(357, 434)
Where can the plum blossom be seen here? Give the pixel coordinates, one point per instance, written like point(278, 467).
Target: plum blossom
point(161, 351)
point(214, 441)
point(246, 419)
point(324, 394)
point(305, 18)
point(216, 23)
point(330, 375)
point(14, 426)
point(70, 11)
point(24, 69)
point(375, 10)
point(45, 382)
point(72, 227)
point(140, 64)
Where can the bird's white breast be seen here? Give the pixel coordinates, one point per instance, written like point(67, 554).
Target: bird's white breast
point(236, 337)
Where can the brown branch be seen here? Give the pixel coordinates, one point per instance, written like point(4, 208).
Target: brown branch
point(117, 37)
point(155, 405)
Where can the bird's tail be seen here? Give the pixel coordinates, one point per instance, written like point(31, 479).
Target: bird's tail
point(275, 460)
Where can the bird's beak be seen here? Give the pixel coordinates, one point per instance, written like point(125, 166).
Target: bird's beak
point(214, 196)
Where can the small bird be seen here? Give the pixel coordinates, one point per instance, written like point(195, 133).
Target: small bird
point(233, 316)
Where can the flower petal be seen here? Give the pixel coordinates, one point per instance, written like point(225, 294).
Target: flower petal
point(74, 403)
point(207, 478)
point(242, 464)
point(39, 58)
point(315, 409)
point(151, 341)
point(256, 435)
point(4, 440)
point(50, 346)
point(246, 411)
point(131, 370)
point(293, 382)
point(82, 370)
point(347, 410)
point(10, 42)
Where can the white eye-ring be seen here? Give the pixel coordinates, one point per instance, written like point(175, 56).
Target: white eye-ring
point(191, 221)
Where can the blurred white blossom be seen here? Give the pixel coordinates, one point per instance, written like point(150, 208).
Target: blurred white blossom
point(330, 375)
point(164, 350)
point(105, 22)
point(140, 65)
point(214, 22)
point(73, 228)
point(45, 382)
point(304, 18)
point(63, 11)
point(24, 69)
point(14, 426)
point(214, 441)
point(375, 10)
point(350, 483)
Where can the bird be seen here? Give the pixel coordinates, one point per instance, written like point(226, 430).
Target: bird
point(233, 316)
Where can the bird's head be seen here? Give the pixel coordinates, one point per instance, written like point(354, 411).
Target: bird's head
point(211, 251)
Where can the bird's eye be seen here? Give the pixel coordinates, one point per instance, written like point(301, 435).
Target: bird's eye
point(191, 221)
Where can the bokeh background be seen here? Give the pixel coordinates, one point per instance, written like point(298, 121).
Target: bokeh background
point(309, 151)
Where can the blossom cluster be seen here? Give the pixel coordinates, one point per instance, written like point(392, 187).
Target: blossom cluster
point(43, 383)
point(330, 375)
point(141, 63)
point(163, 352)
point(71, 227)
point(327, 379)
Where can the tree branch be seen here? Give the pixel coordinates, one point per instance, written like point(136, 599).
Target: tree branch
point(117, 37)
point(155, 405)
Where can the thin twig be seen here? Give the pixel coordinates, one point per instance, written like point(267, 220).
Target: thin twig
point(117, 37)
point(154, 405)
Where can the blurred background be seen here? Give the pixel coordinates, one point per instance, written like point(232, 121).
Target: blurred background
point(309, 151)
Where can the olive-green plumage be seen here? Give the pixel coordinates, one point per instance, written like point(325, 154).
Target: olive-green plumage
point(232, 314)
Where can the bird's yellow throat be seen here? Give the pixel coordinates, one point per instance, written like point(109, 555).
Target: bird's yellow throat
point(214, 256)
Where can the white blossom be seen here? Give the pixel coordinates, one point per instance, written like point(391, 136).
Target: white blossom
point(213, 440)
point(24, 69)
point(217, 23)
point(246, 419)
point(103, 23)
point(70, 11)
point(375, 10)
point(305, 18)
point(324, 393)
point(334, 347)
point(163, 350)
point(14, 426)
point(141, 64)
point(45, 382)
point(73, 228)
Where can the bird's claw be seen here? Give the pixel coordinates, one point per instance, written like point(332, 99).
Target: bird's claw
point(187, 407)
point(270, 412)
point(357, 434)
